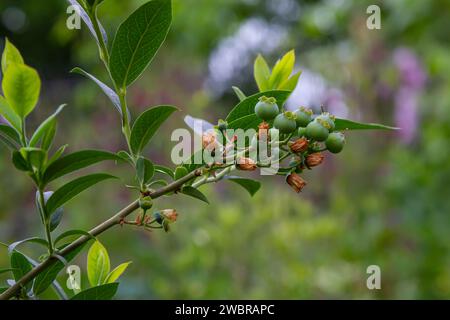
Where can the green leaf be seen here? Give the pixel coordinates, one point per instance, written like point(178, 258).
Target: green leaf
point(344, 124)
point(239, 93)
point(46, 131)
point(262, 73)
point(76, 161)
point(103, 292)
point(125, 156)
point(9, 136)
point(71, 233)
point(36, 157)
point(19, 162)
point(195, 193)
point(145, 170)
point(247, 107)
point(180, 172)
point(58, 153)
point(55, 219)
point(21, 266)
point(6, 270)
point(137, 41)
point(49, 274)
point(282, 70)
point(21, 86)
point(10, 55)
point(106, 90)
point(72, 189)
point(164, 170)
point(9, 114)
point(250, 185)
point(98, 265)
point(291, 83)
point(146, 126)
point(117, 272)
point(40, 241)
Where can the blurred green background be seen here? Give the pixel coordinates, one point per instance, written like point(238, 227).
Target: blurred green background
point(383, 201)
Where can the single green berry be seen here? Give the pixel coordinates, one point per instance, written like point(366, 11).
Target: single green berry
point(327, 120)
point(222, 125)
point(317, 131)
point(303, 117)
point(267, 108)
point(301, 132)
point(335, 142)
point(285, 122)
point(146, 203)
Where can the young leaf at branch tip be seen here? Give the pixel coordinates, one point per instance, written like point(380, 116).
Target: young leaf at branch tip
point(117, 272)
point(137, 41)
point(344, 124)
point(282, 70)
point(46, 131)
point(10, 115)
point(262, 73)
point(103, 292)
point(35, 157)
point(241, 95)
point(250, 185)
point(146, 126)
point(72, 189)
point(10, 55)
point(21, 86)
point(98, 264)
point(76, 161)
point(291, 83)
point(195, 193)
point(106, 90)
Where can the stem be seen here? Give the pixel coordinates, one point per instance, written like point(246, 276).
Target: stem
point(122, 93)
point(45, 221)
point(23, 137)
point(106, 225)
point(104, 54)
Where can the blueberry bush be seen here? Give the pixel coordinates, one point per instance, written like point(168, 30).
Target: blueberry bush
point(300, 138)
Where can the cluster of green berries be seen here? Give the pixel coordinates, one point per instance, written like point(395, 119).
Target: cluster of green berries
point(320, 128)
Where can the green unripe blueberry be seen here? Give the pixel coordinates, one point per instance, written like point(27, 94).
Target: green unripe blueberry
point(327, 120)
point(335, 142)
point(317, 131)
point(267, 108)
point(301, 132)
point(285, 122)
point(146, 203)
point(303, 117)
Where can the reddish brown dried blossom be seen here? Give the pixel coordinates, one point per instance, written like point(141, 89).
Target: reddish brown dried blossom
point(296, 182)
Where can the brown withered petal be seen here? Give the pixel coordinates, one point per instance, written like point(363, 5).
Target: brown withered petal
point(246, 164)
point(263, 130)
point(299, 145)
point(314, 159)
point(170, 214)
point(296, 182)
point(209, 141)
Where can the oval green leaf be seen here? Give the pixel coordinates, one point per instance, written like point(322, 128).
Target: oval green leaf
point(146, 126)
point(138, 39)
point(103, 292)
point(345, 124)
point(21, 86)
point(98, 264)
point(72, 189)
